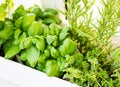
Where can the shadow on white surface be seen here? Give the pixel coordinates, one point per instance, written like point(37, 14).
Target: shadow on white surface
point(5, 83)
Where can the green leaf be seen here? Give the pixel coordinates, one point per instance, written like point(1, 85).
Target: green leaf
point(27, 20)
point(69, 47)
point(18, 22)
point(42, 58)
point(52, 68)
point(21, 37)
point(62, 63)
point(54, 29)
point(46, 30)
point(49, 21)
point(54, 52)
point(7, 45)
point(41, 67)
point(36, 10)
point(35, 29)
point(23, 55)
point(40, 42)
point(7, 32)
point(20, 11)
point(50, 10)
point(1, 25)
point(73, 72)
point(62, 50)
point(63, 35)
point(65, 29)
point(55, 43)
point(47, 52)
point(50, 39)
point(32, 55)
point(12, 52)
point(26, 42)
point(17, 33)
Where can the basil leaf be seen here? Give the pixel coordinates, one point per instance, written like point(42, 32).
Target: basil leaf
point(12, 52)
point(32, 55)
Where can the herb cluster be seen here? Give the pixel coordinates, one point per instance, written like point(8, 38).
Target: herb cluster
point(81, 52)
point(100, 65)
point(36, 38)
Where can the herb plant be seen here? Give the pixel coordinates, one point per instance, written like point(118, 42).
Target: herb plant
point(96, 67)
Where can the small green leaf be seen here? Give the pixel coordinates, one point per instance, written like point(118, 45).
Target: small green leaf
point(47, 53)
point(54, 29)
point(63, 35)
point(55, 43)
point(17, 33)
point(7, 45)
point(41, 59)
point(53, 11)
point(40, 42)
point(52, 68)
point(7, 32)
point(26, 42)
point(62, 50)
point(36, 10)
point(21, 37)
point(46, 30)
point(50, 39)
point(12, 52)
point(68, 47)
point(54, 52)
point(62, 63)
point(23, 55)
point(18, 22)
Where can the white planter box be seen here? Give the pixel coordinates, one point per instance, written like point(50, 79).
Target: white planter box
point(13, 74)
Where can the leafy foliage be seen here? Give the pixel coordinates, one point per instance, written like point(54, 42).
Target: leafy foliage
point(81, 52)
point(5, 8)
point(96, 69)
